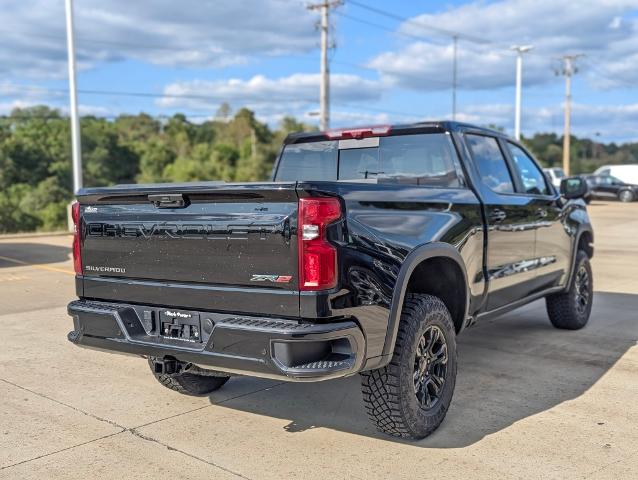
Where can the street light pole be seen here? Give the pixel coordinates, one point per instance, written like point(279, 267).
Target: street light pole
point(519, 49)
point(76, 147)
point(455, 50)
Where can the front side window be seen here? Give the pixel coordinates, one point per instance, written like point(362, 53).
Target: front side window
point(490, 163)
point(530, 175)
point(616, 181)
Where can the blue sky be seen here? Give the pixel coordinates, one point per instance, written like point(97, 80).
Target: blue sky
point(393, 66)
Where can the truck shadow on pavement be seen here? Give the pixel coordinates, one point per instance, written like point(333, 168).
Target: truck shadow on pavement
point(510, 369)
point(22, 253)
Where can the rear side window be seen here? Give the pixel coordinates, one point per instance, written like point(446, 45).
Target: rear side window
point(421, 159)
point(530, 175)
point(490, 163)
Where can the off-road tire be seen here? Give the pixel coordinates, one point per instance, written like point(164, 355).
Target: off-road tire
point(562, 308)
point(188, 383)
point(389, 393)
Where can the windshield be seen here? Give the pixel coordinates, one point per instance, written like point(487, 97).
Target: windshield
point(422, 159)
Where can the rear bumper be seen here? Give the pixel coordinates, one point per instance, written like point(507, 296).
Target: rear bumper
point(245, 345)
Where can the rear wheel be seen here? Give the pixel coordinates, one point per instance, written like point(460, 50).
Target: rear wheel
point(411, 395)
point(570, 310)
point(193, 380)
point(626, 196)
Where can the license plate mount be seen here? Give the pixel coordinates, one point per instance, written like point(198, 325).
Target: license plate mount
point(180, 325)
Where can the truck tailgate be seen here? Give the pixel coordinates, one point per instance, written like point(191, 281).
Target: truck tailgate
point(226, 235)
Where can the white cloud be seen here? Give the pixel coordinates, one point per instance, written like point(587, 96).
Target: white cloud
point(601, 29)
point(94, 110)
point(184, 33)
point(620, 121)
point(267, 96)
point(344, 118)
point(7, 107)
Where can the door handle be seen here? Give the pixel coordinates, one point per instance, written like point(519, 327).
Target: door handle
point(497, 215)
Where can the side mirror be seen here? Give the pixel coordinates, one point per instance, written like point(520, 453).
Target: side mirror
point(573, 187)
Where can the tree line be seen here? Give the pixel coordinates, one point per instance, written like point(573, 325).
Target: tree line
point(35, 156)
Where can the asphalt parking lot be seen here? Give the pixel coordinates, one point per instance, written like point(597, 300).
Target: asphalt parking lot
point(530, 402)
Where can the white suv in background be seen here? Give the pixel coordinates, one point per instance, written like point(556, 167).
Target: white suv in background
point(555, 175)
point(626, 173)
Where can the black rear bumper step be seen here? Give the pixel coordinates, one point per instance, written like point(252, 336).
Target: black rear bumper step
point(262, 347)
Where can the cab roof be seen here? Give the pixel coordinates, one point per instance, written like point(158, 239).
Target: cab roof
point(394, 129)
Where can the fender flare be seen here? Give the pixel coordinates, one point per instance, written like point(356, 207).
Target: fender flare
point(414, 258)
point(582, 228)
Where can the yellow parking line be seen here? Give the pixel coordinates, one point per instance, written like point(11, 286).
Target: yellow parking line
point(37, 265)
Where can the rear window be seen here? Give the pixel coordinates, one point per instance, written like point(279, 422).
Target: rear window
point(421, 159)
point(308, 161)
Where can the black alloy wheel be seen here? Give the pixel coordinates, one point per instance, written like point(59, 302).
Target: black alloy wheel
point(571, 308)
point(583, 290)
point(430, 367)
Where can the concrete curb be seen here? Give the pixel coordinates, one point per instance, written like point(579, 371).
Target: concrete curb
point(10, 236)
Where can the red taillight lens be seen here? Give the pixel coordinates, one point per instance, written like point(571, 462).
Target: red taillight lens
point(358, 133)
point(317, 257)
point(77, 252)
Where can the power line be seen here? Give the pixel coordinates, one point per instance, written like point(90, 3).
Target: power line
point(379, 26)
point(102, 41)
point(593, 68)
point(188, 96)
point(438, 30)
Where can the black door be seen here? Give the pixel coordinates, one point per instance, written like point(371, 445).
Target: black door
point(552, 254)
point(512, 221)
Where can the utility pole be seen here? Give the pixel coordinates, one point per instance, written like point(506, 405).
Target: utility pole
point(455, 46)
point(520, 50)
point(568, 70)
point(76, 147)
point(253, 145)
point(324, 88)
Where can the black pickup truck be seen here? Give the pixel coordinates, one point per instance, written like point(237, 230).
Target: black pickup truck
point(370, 250)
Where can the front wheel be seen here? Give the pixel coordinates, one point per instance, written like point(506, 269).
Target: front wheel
point(570, 310)
point(410, 396)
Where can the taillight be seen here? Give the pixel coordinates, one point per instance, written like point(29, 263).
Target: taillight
point(77, 251)
point(317, 257)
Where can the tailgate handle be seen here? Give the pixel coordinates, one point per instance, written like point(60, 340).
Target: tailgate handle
point(172, 200)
